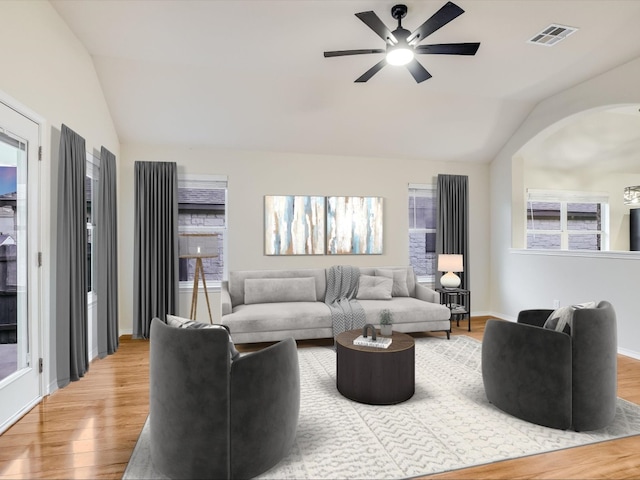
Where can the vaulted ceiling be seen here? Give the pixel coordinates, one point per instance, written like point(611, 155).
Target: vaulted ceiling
point(251, 74)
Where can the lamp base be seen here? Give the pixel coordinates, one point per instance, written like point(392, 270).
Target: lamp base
point(450, 280)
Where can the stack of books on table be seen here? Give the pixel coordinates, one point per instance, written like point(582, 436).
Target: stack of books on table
point(380, 342)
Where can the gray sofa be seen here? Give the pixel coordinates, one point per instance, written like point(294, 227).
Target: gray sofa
point(291, 304)
point(213, 418)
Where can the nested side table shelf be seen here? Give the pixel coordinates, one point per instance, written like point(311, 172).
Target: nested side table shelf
point(458, 300)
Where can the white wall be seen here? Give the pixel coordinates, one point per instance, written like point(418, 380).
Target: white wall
point(252, 175)
point(46, 69)
point(534, 281)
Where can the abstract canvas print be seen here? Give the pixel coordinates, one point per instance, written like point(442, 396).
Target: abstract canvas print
point(354, 225)
point(294, 225)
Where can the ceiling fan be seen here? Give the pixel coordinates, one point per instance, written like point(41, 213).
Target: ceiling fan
point(402, 45)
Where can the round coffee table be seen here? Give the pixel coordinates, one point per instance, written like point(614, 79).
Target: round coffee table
point(377, 376)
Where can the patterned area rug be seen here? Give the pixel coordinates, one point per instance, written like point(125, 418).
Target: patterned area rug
point(448, 424)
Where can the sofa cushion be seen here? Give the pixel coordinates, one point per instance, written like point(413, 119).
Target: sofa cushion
point(374, 288)
point(399, 277)
point(406, 310)
point(269, 317)
point(179, 322)
point(276, 290)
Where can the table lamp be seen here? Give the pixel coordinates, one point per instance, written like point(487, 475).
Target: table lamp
point(450, 263)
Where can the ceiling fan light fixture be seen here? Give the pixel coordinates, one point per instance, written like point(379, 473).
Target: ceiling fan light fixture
point(399, 55)
point(402, 45)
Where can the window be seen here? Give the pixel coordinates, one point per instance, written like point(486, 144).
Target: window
point(422, 231)
point(91, 191)
point(202, 210)
point(567, 220)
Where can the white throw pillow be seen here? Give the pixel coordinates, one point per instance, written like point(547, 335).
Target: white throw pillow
point(374, 288)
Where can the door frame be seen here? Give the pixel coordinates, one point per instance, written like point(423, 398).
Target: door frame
point(44, 214)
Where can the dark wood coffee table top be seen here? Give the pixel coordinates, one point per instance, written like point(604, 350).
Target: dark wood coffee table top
point(400, 341)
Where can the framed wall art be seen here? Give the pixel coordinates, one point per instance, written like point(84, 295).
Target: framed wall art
point(294, 225)
point(354, 225)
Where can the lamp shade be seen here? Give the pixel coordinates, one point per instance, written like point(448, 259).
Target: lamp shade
point(193, 245)
point(632, 195)
point(450, 263)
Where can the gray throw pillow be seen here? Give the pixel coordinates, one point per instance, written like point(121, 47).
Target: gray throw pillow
point(563, 317)
point(400, 288)
point(179, 322)
point(374, 288)
point(275, 290)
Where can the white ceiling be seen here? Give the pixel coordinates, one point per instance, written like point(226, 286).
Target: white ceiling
point(251, 74)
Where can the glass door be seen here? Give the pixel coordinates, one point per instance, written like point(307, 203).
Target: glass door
point(20, 385)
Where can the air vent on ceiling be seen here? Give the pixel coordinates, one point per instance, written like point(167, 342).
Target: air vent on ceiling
point(552, 35)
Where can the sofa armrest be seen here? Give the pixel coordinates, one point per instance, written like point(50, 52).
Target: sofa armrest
point(225, 299)
point(527, 372)
point(534, 317)
point(426, 294)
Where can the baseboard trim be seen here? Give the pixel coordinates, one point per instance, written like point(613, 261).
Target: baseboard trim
point(11, 421)
point(629, 353)
point(502, 316)
point(53, 386)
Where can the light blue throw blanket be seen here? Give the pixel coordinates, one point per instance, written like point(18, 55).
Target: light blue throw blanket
point(342, 288)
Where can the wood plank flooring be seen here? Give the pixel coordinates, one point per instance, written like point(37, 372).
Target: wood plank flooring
point(89, 429)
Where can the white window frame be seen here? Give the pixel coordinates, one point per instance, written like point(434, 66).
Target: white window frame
point(564, 197)
point(421, 190)
point(207, 182)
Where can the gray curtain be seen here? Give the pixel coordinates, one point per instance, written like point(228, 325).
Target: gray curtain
point(107, 256)
point(452, 231)
point(72, 354)
point(156, 244)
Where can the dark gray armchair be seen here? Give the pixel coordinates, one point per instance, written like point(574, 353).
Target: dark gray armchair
point(213, 418)
point(556, 379)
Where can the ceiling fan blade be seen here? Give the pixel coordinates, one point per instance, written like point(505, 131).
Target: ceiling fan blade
point(372, 71)
point(418, 71)
point(449, 48)
point(439, 19)
point(372, 21)
point(342, 53)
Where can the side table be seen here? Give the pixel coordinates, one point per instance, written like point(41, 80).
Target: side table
point(458, 300)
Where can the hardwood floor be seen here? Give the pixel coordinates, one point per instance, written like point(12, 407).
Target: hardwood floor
point(89, 429)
